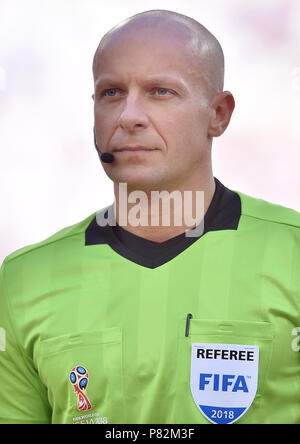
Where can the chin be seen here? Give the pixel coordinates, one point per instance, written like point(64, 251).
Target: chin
point(138, 184)
point(136, 179)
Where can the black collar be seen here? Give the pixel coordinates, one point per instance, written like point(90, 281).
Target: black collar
point(223, 214)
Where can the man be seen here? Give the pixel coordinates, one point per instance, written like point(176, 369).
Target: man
point(157, 322)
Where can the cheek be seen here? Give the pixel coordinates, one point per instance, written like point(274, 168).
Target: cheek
point(105, 125)
point(185, 130)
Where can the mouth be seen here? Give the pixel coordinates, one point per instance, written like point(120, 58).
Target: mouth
point(133, 149)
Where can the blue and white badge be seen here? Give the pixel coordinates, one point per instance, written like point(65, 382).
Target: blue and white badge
point(224, 380)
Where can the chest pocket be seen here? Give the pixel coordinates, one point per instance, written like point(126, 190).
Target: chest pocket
point(204, 331)
point(83, 373)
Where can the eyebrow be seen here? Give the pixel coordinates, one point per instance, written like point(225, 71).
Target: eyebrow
point(111, 81)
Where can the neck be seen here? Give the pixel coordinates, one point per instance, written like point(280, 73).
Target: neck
point(161, 215)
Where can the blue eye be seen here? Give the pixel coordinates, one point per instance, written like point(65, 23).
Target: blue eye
point(162, 91)
point(110, 92)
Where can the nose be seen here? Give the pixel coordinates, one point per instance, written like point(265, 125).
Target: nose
point(133, 116)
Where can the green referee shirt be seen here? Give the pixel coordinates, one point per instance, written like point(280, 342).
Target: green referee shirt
point(94, 326)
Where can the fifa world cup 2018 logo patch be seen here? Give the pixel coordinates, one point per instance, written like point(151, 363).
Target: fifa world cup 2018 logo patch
point(79, 378)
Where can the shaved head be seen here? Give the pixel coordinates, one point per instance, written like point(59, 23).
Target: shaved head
point(198, 41)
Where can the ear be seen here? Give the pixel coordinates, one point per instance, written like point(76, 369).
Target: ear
point(222, 108)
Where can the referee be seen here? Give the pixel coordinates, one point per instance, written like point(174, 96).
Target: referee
point(111, 321)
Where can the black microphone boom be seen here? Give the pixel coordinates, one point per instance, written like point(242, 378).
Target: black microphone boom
point(104, 157)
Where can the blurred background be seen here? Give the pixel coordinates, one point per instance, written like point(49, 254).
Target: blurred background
point(50, 174)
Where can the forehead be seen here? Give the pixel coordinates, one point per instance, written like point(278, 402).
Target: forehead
point(148, 51)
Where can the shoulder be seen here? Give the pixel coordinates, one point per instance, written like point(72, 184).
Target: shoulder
point(65, 239)
point(259, 212)
point(268, 211)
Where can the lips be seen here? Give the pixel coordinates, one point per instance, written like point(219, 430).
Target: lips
point(134, 148)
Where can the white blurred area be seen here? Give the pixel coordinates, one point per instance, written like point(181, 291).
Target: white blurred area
point(50, 174)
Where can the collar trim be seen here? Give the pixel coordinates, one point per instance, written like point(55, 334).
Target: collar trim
point(223, 213)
